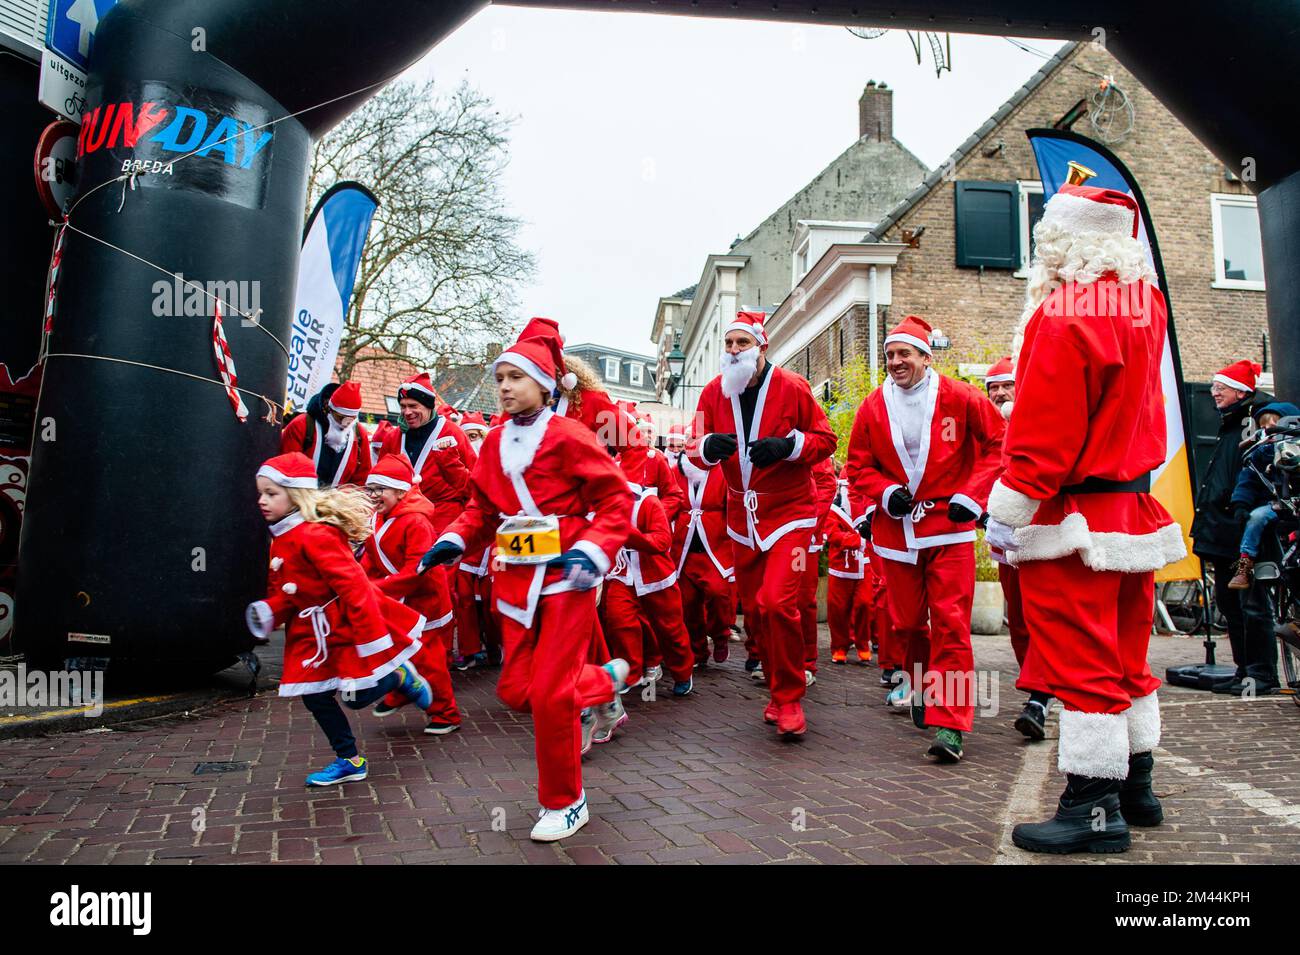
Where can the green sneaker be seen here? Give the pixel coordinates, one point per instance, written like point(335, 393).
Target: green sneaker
point(947, 745)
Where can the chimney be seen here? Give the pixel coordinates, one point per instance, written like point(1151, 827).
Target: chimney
point(876, 113)
point(440, 367)
point(491, 353)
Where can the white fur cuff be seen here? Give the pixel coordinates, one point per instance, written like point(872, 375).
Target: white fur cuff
point(593, 551)
point(1011, 507)
point(1094, 744)
point(1143, 724)
point(888, 493)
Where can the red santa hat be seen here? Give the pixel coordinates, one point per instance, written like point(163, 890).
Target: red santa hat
point(676, 432)
point(912, 331)
point(473, 421)
point(1000, 370)
point(1240, 375)
point(1092, 209)
point(419, 388)
point(346, 399)
point(539, 359)
point(294, 469)
point(392, 470)
point(751, 323)
point(542, 328)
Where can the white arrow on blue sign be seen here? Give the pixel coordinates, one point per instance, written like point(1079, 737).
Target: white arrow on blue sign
point(70, 29)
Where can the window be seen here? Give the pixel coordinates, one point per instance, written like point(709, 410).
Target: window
point(988, 224)
point(1238, 255)
point(1031, 210)
point(801, 260)
point(634, 374)
point(611, 369)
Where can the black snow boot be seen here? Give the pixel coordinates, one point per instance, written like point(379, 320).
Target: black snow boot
point(1136, 800)
point(1087, 820)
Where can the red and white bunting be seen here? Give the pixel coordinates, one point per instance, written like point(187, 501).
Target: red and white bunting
point(226, 364)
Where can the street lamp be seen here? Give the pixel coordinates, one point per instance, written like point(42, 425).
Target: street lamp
point(676, 365)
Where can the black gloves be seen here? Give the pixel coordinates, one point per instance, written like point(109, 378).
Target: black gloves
point(443, 552)
point(864, 526)
point(960, 513)
point(719, 447)
point(767, 451)
point(900, 502)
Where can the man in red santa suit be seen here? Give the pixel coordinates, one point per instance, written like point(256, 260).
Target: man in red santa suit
point(567, 509)
point(1000, 383)
point(925, 448)
point(763, 427)
point(328, 433)
point(436, 447)
point(1073, 509)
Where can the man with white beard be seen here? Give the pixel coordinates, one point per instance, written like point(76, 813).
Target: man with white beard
point(762, 426)
point(328, 433)
point(1073, 509)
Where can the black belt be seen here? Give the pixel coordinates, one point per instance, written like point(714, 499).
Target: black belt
point(1100, 485)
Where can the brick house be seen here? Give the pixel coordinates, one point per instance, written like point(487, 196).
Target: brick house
point(379, 378)
point(1204, 220)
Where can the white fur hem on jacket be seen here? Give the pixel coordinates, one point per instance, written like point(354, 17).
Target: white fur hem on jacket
point(1011, 507)
point(1143, 724)
point(1099, 550)
point(1094, 744)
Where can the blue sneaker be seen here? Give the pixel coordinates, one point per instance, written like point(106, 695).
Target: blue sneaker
point(340, 771)
point(899, 699)
point(473, 661)
point(684, 687)
point(414, 687)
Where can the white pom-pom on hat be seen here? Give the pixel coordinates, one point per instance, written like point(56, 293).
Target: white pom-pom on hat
point(568, 381)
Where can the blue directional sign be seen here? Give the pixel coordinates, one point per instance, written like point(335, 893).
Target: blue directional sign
point(70, 30)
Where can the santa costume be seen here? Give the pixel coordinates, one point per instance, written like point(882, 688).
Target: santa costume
point(849, 593)
point(770, 509)
point(438, 451)
point(340, 632)
point(1087, 431)
point(559, 510)
point(934, 447)
point(340, 453)
point(391, 556)
point(823, 474)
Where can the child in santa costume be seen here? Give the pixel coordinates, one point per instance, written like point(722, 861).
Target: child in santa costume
point(1087, 430)
point(475, 427)
point(702, 552)
point(329, 434)
point(849, 595)
point(567, 509)
point(763, 427)
point(341, 633)
point(436, 447)
point(925, 448)
point(478, 638)
point(403, 534)
point(823, 474)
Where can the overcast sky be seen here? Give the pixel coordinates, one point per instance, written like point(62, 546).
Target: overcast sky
point(644, 143)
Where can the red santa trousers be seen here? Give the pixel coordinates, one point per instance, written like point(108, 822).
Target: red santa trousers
point(940, 586)
point(624, 613)
point(772, 581)
point(848, 612)
point(598, 653)
point(545, 673)
point(476, 624)
point(431, 663)
point(705, 596)
point(882, 624)
point(1009, 578)
point(808, 611)
point(1090, 633)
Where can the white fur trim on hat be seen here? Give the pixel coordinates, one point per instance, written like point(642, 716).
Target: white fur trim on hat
point(1225, 380)
point(1143, 723)
point(384, 480)
point(414, 386)
point(528, 367)
point(272, 474)
point(908, 340)
point(1077, 214)
point(756, 330)
point(1094, 744)
point(1010, 506)
point(993, 379)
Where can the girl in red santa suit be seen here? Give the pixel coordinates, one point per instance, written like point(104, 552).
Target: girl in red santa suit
point(1074, 512)
point(403, 534)
point(848, 586)
point(569, 510)
point(341, 633)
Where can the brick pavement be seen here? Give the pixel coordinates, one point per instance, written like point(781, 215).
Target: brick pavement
point(694, 780)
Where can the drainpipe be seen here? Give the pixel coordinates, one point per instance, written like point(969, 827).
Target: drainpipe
point(874, 323)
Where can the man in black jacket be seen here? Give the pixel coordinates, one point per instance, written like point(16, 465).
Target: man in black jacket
point(1216, 538)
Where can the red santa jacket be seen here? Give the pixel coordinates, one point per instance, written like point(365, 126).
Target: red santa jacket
point(706, 516)
point(443, 473)
point(845, 555)
point(649, 468)
point(1089, 405)
point(553, 467)
point(304, 433)
point(764, 504)
point(824, 488)
point(598, 413)
point(958, 459)
point(645, 562)
point(392, 554)
point(340, 633)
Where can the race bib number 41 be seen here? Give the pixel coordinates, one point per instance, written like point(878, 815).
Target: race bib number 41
point(528, 540)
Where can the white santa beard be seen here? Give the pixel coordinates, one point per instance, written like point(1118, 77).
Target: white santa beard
point(737, 370)
point(337, 436)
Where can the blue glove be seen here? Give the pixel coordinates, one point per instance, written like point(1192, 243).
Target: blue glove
point(578, 568)
point(443, 552)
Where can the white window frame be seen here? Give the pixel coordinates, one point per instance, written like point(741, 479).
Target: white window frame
point(800, 268)
point(1024, 189)
point(636, 374)
point(1217, 201)
point(611, 369)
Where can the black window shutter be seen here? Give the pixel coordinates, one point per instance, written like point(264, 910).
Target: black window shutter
point(988, 225)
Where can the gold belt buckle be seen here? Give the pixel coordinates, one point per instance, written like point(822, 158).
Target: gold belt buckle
point(528, 540)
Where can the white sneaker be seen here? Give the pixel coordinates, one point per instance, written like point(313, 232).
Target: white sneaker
point(756, 675)
point(654, 674)
point(900, 697)
point(606, 719)
point(809, 678)
point(587, 720)
point(555, 824)
point(618, 670)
